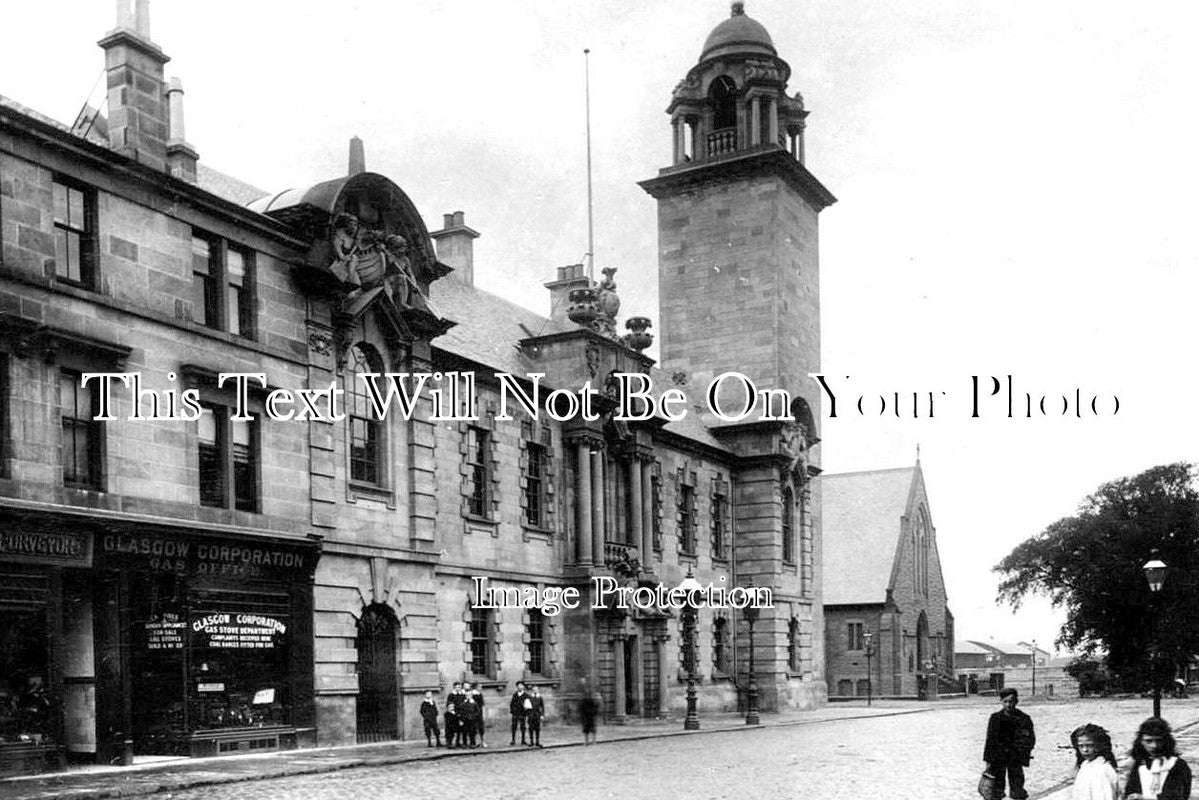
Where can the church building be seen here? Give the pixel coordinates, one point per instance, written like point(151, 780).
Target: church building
point(888, 628)
point(187, 569)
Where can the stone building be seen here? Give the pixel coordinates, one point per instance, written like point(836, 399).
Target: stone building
point(191, 567)
point(883, 587)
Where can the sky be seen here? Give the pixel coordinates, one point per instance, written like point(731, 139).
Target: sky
point(1015, 184)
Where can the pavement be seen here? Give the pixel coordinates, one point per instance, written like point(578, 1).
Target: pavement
point(173, 776)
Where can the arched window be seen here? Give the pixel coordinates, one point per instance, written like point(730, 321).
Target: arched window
point(793, 644)
point(366, 430)
point(788, 525)
point(723, 96)
point(721, 651)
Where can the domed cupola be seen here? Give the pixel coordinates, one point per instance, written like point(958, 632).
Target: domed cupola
point(738, 35)
point(734, 100)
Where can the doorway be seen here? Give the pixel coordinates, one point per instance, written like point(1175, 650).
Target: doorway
point(378, 689)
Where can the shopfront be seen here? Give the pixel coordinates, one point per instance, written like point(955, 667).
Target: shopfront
point(120, 640)
point(213, 652)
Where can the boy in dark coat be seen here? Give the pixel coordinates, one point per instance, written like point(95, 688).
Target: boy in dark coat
point(469, 714)
point(516, 707)
point(453, 721)
point(1010, 740)
point(428, 712)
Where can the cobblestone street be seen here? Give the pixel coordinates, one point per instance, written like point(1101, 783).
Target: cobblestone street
point(919, 756)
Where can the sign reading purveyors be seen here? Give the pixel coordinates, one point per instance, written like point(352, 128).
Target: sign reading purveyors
point(237, 631)
point(46, 547)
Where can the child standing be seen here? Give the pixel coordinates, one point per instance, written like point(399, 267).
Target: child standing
point(428, 712)
point(1158, 772)
point(1096, 778)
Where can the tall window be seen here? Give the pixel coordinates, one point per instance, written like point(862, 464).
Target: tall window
point(74, 233)
point(656, 515)
point(536, 474)
point(721, 652)
point(482, 656)
point(222, 285)
point(720, 515)
point(365, 429)
point(788, 526)
point(228, 460)
point(81, 433)
point(793, 644)
point(686, 519)
point(535, 628)
point(855, 636)
point(478, 465)
point(4, 416)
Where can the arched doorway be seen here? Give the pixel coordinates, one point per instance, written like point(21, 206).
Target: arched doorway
point(378, 687)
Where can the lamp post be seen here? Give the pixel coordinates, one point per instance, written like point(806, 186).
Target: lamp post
point(751, 713)
point(869, 637)
point(1155, 576)
point(689, 584)
point(1034, 667)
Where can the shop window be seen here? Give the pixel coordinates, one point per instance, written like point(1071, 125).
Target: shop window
point(844, 688)
point(74, 233)
point(26, 707)
point(788, 526)
point(863, 687)
point(721, 649)
point(82, 435)
point(222, 285)
point(366, 431)
point(478, 472)
point(482, 646)
point(228, 460)
point(535, 630)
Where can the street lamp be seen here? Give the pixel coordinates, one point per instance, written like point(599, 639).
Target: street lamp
point(690, 584)
point(751, 616)
point(1034, 667)
point(869, 637)
point(1155, 576)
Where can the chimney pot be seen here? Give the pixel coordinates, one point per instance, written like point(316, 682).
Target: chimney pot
point(357, 156)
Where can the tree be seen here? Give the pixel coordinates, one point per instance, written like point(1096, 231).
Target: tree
point(1090, 564)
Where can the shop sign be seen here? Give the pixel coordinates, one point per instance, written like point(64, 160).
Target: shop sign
point(71, 548)
point(236, 631)
point(165, 633)
point(186, 555)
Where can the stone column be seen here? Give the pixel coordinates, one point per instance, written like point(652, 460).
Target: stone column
point(583, 547)
point(755, 120)
point(636, 534)
point(679, 141)
point(597, 506)
point(618, 645)
point(773, 115)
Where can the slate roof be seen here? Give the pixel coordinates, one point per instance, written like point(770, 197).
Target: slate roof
point(490, 327)
point(968, 648)
point(226, 186)
point(862, 512)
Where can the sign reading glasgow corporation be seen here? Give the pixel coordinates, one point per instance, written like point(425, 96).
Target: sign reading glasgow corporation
point(47, 547)
point(205, 556)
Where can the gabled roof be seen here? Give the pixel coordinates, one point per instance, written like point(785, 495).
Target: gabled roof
point(862, 515)
point(968, 648)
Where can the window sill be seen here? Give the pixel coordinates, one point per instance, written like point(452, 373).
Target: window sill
point(535, 532)
point(541, 680)
point(484, 682)
point(363, 489)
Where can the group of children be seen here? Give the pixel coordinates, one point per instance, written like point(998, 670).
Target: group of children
point(1157, 771)
point(464, 716)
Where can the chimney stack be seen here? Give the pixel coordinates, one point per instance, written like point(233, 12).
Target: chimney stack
point(357, 157)
point(456, 246)
point(181, 156)
point(570, 277)
point(137, 103)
